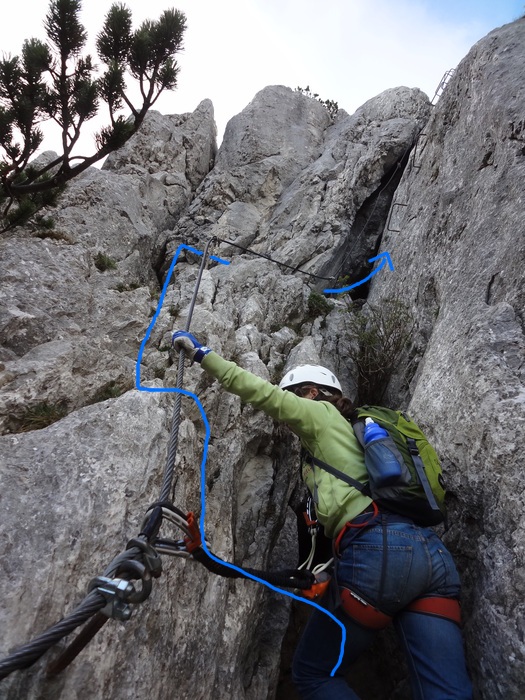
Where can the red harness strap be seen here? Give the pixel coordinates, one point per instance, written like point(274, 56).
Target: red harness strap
point(448, 608)
point(370, 617)
point(362, 612)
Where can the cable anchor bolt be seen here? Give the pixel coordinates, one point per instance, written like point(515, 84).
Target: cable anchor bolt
point(116, 591)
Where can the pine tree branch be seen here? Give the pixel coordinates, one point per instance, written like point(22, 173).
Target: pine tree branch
point(70, 95)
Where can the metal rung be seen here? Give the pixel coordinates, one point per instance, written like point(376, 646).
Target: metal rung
point(395, 204)
point(415, 165)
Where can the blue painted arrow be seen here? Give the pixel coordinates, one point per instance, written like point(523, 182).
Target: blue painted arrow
point(384, 257)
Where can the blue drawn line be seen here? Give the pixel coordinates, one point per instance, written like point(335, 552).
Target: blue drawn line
point(200, 252)
point(159, 307)
point(140, 387)
point(384, 257)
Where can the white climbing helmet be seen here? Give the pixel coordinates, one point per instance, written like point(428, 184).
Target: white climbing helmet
point(310, 373)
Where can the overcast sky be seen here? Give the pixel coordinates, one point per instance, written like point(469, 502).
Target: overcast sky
point(345, 50)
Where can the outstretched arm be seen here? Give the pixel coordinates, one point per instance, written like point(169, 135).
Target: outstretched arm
point(306, 418)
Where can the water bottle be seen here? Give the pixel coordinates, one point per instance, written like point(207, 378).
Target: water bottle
point(373, 431)
point(382, 457)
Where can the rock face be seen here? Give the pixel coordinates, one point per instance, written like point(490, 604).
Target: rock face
point(461, 251)
point(318, 196)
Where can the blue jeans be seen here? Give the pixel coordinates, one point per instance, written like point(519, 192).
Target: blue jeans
point(417, 564)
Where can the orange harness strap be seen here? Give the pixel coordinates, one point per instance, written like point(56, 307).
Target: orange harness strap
point(448, 608)
point(370, 617)
point(362, 612)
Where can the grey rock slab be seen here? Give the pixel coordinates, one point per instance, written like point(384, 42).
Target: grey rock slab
point(460, 262)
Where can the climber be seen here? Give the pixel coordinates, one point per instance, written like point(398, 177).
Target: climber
point(419, 587)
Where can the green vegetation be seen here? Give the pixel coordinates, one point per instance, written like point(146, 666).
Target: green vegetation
point(380, 333)
point(53, 235)
point(128, 287)
point(44, 223)
point(344, 281)
point(111, 390)
point(277, 373)
point(44, 227)
point(55, 81)
point(318, 305)
point(18, 209)
point(104, 262)
point(330, 105)
point(39, 416)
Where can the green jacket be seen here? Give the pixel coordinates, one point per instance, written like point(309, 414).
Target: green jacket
point(323, 432)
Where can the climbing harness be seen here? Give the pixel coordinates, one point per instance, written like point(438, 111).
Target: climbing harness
point(322, 577)
point(357, 527)
point(437, 606)
point(365, 613)
point(370, 617)
point(362, 612)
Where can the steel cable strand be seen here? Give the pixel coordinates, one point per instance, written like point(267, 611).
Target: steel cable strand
point(94, 602)
point(270, 259)
point(133, 563)
point(394, 171)
point(27, 654)
point(166, 491)
point(289, 578)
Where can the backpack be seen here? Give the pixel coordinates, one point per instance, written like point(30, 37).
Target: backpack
point(420, 492)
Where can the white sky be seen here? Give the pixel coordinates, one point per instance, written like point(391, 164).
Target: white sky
point(345, 50)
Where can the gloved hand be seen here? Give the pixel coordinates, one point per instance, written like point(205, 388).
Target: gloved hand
point(190, 344)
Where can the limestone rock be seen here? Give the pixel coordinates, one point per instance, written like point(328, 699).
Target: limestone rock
point(74, 301)
point(304, 200)
point(176, 151)
point(460, 265)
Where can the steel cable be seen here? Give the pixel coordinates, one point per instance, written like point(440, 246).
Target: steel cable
point(27, 654)
point(166, 491)
point(94, 602)
point(277, 262)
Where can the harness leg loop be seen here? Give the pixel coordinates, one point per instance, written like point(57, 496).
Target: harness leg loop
point(362, 612)
point(438, 606)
